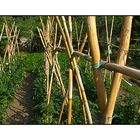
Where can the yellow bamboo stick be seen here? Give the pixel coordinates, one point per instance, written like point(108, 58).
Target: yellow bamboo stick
point(62, 107)
point(95, 53)
point(82, 46)
point(70, 88)
point(121, 60)
point(81, 100)
point(79, 39)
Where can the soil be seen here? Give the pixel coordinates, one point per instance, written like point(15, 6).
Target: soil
point(20, 110)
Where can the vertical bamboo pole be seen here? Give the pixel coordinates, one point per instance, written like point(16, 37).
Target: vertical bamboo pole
point(121, 60)
point(95, 53)
point(70, 87)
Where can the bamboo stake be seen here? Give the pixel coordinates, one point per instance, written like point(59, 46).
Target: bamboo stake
point(74, 65)
point(87, 63)
point(70, 88)
point(2, 31)
point(76, 31)
point(109, 39)
point(82, 46)
point(79, 39)
point(81, 100)
point(95, 53)
point(121, 60)
point(62, 108)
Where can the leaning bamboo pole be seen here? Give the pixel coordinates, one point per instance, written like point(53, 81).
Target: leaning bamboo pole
point(82, 45)
point(79, 39)
point(69, 50)
point(121, 60)
point(2, 31)
point(95, 53)
point(70, 87)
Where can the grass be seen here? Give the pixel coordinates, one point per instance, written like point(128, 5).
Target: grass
point(131, 89)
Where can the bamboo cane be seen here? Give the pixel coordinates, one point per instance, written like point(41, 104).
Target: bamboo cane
point(76, 30)
point(82, 101)
point(82, 46)
point(121, 60)
point(2, 31)
point(17, 41)
point(70, 88)
point(62, 107)
point(95, 53)
point(42, 24)
point(109, 39)
point(74, 65)
point(79, 39)
point(87, 63)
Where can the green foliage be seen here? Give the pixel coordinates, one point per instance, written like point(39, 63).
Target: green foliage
point(131, 89)
point(10, 79)
point(126, 110)
point(134, 54)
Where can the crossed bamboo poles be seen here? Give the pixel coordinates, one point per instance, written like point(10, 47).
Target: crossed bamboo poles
point(11, 34)
point(106, 104)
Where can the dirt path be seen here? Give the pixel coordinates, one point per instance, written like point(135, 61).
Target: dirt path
point(20, 110)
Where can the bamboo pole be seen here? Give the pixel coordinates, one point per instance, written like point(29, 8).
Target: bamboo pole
point(2, 31)
point(79, 39)
point(70, 88)
point(109, 40)
point(82, 101)
point(82, 46)
point(76, 30)
point(62, 108)
point(121, 60)
point(95, 53)
point(69, 50)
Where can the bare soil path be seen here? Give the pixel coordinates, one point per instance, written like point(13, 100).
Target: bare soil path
point(20, 110)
